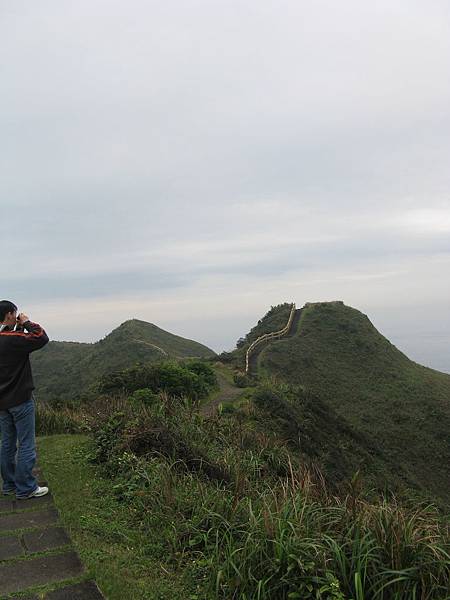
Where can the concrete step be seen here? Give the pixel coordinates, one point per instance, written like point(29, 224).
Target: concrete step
point(22, 574)
point(20, 568)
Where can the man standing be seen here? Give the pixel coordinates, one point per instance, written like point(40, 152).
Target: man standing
point(18, 338)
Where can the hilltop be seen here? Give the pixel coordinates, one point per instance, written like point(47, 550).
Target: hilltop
point(400, 407)
point(64, 370)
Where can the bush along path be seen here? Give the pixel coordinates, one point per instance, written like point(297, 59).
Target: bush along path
point(37, 560)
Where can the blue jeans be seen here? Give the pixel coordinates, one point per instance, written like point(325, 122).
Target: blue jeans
point(17, 425)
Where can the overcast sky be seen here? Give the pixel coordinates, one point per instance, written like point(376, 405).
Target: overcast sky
point(191, 163)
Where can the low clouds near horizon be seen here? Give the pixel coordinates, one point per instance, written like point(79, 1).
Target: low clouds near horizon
point(192, 163)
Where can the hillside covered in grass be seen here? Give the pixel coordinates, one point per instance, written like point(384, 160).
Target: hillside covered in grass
point(178, 506)
point(353, 400)
point(293, 486)
point(64, 370)
point(274, 495)
point(399, 406)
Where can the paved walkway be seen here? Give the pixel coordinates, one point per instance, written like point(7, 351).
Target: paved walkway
point(36, 553)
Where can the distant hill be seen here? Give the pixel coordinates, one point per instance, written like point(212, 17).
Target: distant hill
point(399, 406)
point(63, 370)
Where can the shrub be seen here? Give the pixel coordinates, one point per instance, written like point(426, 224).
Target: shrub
point(226, 357)
point(144, 396)
point(205, 372)
point(241, 342)
point(226, 408)
point(193, 379)
point(154, 432)
point(242, 380)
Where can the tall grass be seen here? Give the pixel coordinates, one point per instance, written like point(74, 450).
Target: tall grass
point(273, 530)
point(295, 543)
point(52, 420)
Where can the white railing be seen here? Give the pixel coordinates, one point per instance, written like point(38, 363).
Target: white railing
point(269, 336)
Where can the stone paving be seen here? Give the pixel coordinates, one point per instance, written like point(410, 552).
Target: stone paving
point(35, 551)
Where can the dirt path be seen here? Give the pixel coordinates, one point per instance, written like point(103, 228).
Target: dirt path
point(295, 322)
point(228, 392)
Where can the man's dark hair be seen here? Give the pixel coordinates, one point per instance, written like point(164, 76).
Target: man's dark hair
point(6, 307)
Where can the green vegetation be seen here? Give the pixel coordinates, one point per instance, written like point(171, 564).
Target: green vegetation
point(400, 407)
point(194, 379)
point(224, 509)
point(51, 419)
point(68, 370)
point(105, 531)
point(325, 478)
point(313, 431)
point(274, 320)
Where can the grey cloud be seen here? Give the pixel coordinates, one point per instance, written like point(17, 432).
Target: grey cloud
point(60, 287)
point(154, 148)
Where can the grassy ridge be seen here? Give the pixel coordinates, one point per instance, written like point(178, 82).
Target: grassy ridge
point(175, 506)
point(402, 407)
point(267, 500)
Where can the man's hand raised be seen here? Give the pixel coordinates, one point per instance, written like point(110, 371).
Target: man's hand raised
point(22, 318)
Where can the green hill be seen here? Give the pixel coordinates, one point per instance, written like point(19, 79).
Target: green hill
point(63, 370)
point(399, 406)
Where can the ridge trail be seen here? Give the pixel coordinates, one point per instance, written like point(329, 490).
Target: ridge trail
point(253, 359)
point(228, 392)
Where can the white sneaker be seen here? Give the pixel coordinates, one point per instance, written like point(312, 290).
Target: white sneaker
point(39, 491)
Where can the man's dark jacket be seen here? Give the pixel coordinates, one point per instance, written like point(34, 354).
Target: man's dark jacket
point(16, 378)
